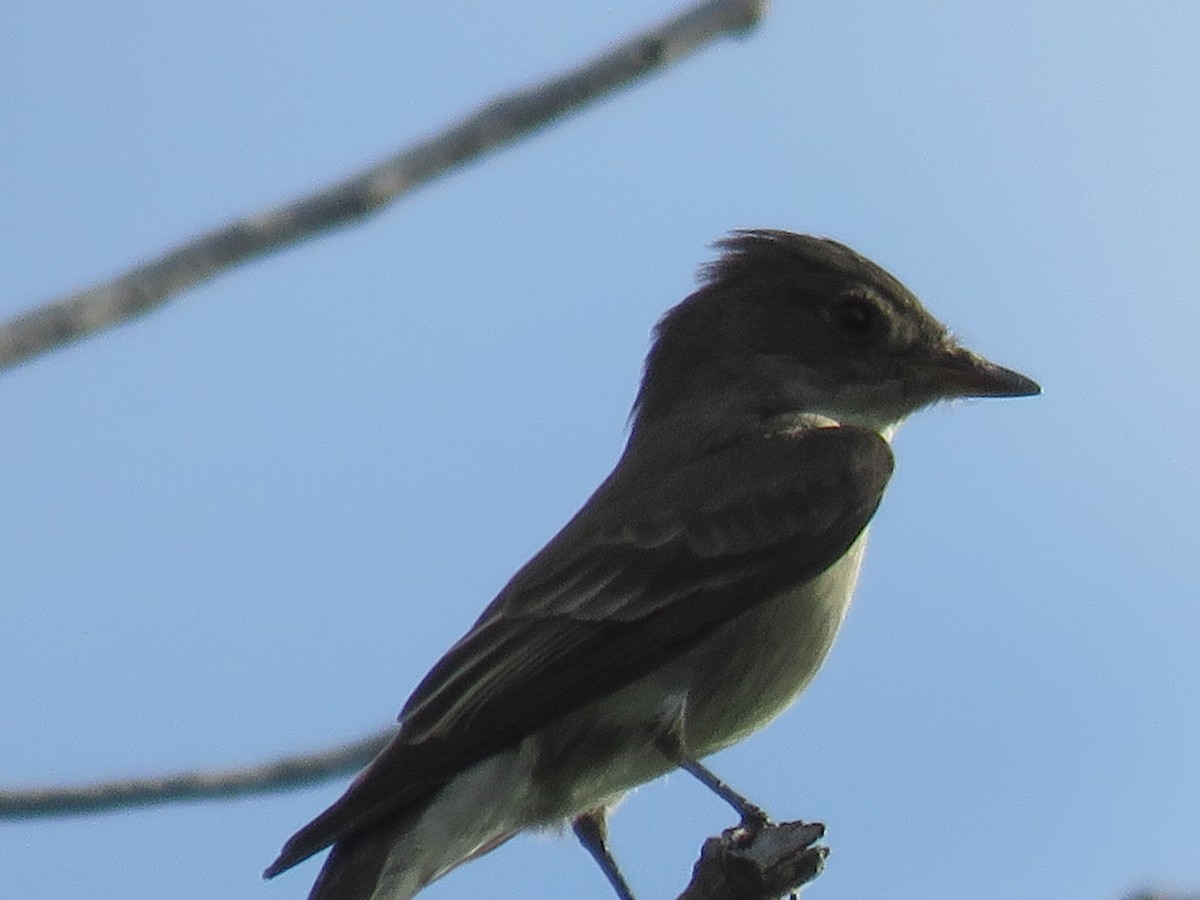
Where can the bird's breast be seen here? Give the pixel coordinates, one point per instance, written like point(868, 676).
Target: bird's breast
point(733, 683)
point(752, 668)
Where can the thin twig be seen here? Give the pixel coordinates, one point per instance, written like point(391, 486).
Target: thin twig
point(278, 775)
point(498, 123)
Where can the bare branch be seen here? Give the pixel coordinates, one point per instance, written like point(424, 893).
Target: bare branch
point(763, 864)
point(498, 123)
point(277, 775)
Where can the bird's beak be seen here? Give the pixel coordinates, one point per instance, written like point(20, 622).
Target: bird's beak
point(960, 373)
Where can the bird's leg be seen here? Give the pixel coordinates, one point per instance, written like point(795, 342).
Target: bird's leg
point(754, 817)
point(591, 828)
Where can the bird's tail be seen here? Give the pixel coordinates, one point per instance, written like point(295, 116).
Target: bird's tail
point(395, 855)
point(394, 861)
point(356, 865)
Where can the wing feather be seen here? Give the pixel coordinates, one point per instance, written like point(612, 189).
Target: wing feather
point(645, 571)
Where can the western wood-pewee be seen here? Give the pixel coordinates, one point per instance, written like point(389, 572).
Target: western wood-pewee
point(696, 592)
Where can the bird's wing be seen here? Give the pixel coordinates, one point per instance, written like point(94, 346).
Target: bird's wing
point(646, 570)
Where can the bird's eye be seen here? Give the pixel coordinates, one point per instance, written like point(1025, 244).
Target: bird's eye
point(856, 318)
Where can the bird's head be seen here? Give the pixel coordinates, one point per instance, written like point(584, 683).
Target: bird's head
point(794, 324)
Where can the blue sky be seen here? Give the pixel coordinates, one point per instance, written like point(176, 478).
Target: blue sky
point(247, 524)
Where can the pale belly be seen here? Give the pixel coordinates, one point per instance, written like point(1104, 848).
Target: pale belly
point(755, 667)
point(731, 685)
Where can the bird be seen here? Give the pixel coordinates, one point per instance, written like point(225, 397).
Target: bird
point(693, 596)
